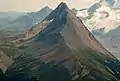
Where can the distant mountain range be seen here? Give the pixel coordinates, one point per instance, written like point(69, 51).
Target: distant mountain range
point(6, 17)
point(117, 4)
point(31, 19)
point(103, 20)
point(18, 21)
point(10, 15)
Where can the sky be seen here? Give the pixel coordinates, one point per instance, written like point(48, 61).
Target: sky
point(35, 5)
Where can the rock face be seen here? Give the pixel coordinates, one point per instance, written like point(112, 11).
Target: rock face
point(63, 43)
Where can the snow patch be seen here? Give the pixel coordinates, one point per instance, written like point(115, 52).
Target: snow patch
point(82, 13)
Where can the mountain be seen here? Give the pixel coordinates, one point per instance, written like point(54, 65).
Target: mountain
point(111, 40)
point(74, 11)
point(98, 16)
point(61, 48)
point(6, 17)
point(117, 4)
point(19, 24)
point(31, 19)
point(96, 10)
point(109, 2)
point(104, 17)
point(104, 22)
point(40, 15)
point(101, 4)
point(10, 15)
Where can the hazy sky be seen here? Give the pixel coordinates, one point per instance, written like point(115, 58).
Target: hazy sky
point(35, 5)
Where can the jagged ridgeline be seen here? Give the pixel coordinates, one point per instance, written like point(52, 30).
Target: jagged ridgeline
point(60, 48)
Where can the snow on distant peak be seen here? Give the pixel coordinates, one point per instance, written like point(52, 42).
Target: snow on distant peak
point(117, 4)
point(104, 8)
point(100, 20)
point(104, 3)
point(104, 17)
point(82, 13)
